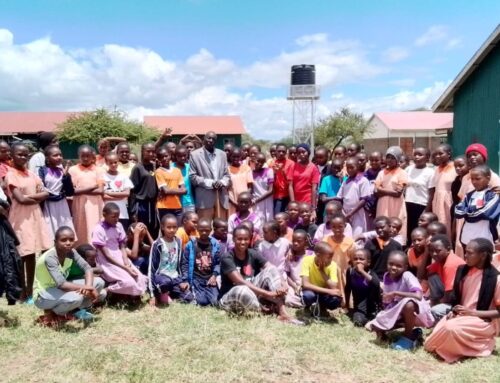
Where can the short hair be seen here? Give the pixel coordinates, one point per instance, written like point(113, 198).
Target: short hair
point(84, 249)
point(255, 146)
point(335, 203)
point(122, 145)
point(49, 148)
point(400, 253)
point(281, 144)
point(45, 138)
point(382, 218)
point(83, 147)
point(244, 194)
point(168, 217)
point(300, 232)
point(273, 225)
point(439, 227)
point(16, 145)
point(366, 252)
point(110, 154)
point(443, 238)
point(205, 221)
point(217, 222)
point(484, 169)
point(447, 148)
point(110, 207)
point(180, 148)
point(145, 145)
point(321, 148)
point(187, 216)
point(242, 228)
point(419, 230)
point(321, 247)
point(61, 230)
point(281, 214)
point(338, 216)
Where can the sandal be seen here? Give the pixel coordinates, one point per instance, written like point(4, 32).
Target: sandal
point(404, 344)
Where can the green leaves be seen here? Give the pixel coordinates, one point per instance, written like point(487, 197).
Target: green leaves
point(341, 127)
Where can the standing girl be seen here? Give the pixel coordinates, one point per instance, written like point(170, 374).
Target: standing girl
point(58, 184)
point(440, 187)
point(241, 179)
point(26, 191)
point(263, 180)
point(88, 182)
point(389, 187)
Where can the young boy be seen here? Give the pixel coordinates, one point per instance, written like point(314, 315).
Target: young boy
point(305, 222)
point(319, 280)
point(164, 275)
point(117, 188)
point(324, 230)
point(188, 229)
point(395, 225)
point(293, 265)
point(200, 265)
point(125, 165)
point(381, 246)
point(286, 232)
point(426, 218)
point(330, 185)
point(181, 163)
point(244, 213)
point(293, 214)
point(220, 234)
point(321, 155)
point(364, 285)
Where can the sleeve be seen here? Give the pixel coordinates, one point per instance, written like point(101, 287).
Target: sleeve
point(82, 263)
point(226, 178)
point(185, 261)
point(154, 262)
point(365, 189)
point(333, 272)
point(306, 266)
point(323, 186)
point(412, 282)
point(127, 184)
point(68, 187)
point(315, 175)
point(135, 178)
point(289, 173)
point(434, 179)
point(496, 297)
point(320, 233)
point(375, 282)
point(216, 259)
point(347, 287)
point(402, 177)
point(249, 176)
point(227, 264)
point(100, 175)
point(462, 207)
point(270, 176)
point(340, 193)
point(180, 178)
point(122, 236)
point(53, 267)
point(430, 175)
point(99, 237)
point(449, 273)
point(195, 178)
point(160, 180)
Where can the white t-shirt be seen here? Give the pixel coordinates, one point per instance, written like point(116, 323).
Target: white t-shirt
point(419, 181)
point(118, 183)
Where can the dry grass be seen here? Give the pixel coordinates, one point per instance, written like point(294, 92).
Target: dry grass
point(188, 344)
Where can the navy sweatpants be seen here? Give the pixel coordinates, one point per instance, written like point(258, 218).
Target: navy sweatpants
point(172, 287)
point(325, 301)
point(203, 294)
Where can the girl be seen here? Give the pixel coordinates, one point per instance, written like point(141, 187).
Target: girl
point(38, 159)
point(285, 231)
point(263, 180)
point(188, 229)
point(470, 329)
point(462, 169)
point(292, 153)
point(244, 214)
point(389, 188)
point(293, 265)
point(58, 184)
point(117, 188)
point(417, 190)
point(330, 184)
point(343, 247)
point(402, 300)
point(353, 194)
point(241, 179)
point(440, 187)
point(88, 182)
point(364, 285)
point(110, 239)
point(253, 152)
point(293, 214)
point(306, 223)
point(303, 179)
point(274, 248)
point(139, 243)
point(480, 208)
point(324, 230)
point(26, 191)
point(5, 162)
point(103, 148)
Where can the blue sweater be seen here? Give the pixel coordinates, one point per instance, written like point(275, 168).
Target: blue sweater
point(189, 257)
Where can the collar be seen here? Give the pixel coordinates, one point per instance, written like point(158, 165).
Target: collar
point(268, 245)
point(344, 245)
point(356, 178)
point(208, 153)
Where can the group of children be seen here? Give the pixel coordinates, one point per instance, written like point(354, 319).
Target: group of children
point(391, 245)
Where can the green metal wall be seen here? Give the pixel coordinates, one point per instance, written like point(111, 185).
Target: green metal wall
point(476, 108)
point(221, 139)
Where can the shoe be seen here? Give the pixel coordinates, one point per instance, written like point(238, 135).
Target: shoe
point(83, 315)
point(29, 301)
point(404, 344)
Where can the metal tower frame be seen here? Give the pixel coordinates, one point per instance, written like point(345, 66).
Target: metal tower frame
point(303, 99)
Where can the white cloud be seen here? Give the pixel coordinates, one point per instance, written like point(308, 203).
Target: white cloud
point(395, 54)
point(404, 82)
point(314, 38)
point(434, 34)
point(453, 43)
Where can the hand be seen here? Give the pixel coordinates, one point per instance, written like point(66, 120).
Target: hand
point(184, 286)
point(67, 166)
point(398, 188)
point(359, 267)
point(218, 185)
point(496, 189)
point(212, 281)
point(334, 292)
point(281, 292)
point(388, 297)
point(462, 311)
point(313, 215)
point(131, 271)
point(167, 132)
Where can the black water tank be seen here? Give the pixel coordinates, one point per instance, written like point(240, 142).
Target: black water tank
point(303, 75)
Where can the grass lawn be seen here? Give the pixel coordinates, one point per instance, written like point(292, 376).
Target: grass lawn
point(188, 344)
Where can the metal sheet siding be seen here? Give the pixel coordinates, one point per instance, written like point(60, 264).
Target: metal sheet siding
point(477, 110)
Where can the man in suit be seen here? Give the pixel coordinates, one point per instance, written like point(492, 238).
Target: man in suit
point(210, 179)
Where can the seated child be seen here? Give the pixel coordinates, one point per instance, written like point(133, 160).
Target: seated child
point(436, 228)
point(305, 223)
point(189, 228)
point(395, 225)
point(441, 274)
point(293, 214)
point(417, 253)
point(426, 218)
point(293, 265)
point(324, 230)
point(320, 280)
point(57, 296)
point(255, 239)
point(139, 243)
point(243, 213)
point(89, 254)
point(402, 300)
point(200, 265)
point(364, 286)
point(165, 281)
point(470, 329)
point(274, 248)
point(285, 231)
point(381, 246)
point(220, 234)
point(110, 239)
point(343, 247)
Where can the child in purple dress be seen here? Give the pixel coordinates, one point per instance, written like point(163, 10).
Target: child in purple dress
point(293, 265)
point(263, 181)
point(402, 300)
point(274, 248)
point(243, 214)
point(110, 240)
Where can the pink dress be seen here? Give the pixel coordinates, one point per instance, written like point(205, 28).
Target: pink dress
point(27, 220)
point(351, 192)
point(240, 178)
point(292, 269)
point(121, 282)
point(442, 201)
point(87, 209)
point(466, 336)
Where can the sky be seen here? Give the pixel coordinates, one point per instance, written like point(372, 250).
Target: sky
point(233, 57)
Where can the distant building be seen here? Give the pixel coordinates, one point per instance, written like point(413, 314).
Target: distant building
point(407, 130)
point(228, 128)
point(474, 99)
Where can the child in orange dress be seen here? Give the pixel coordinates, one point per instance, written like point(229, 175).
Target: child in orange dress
point(88, 182)
point(389, 188)
point(241, 179)
point(26, 191)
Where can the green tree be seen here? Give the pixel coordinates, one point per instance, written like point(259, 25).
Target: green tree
point(341, 127)
point(91, 126)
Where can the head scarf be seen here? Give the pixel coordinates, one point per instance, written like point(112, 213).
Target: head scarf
point(480, 148)
point(306, 147)
point(395, 151)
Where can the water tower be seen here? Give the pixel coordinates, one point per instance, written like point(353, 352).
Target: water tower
point(303, 93)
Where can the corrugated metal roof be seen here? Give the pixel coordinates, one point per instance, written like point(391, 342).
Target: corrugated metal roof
point(30, 122)
point(422, 120)
point(445, 102)
point(197, 124)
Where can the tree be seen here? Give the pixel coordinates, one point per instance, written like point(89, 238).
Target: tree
point(91, 126)
point(343, 126)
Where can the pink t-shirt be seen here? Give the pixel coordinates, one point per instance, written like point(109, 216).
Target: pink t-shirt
point(303, 177)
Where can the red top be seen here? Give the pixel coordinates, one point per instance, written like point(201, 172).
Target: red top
point(447, 270)
point(281, 170)
point(303, 177)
